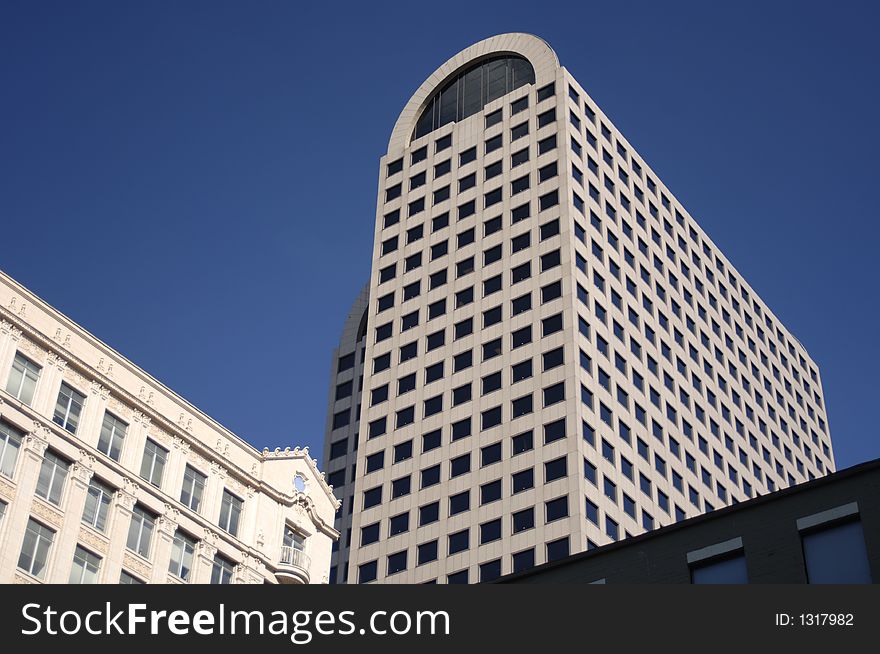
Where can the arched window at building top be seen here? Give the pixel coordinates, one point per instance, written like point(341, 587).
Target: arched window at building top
point(472, 89)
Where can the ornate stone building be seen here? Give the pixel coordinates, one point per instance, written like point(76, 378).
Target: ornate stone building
point(107, 476)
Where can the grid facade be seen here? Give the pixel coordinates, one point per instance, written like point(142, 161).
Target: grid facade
point(556, 355)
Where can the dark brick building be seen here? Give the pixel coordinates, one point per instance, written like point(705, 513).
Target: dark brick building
point(823, 531)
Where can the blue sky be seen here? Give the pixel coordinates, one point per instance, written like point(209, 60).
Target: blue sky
point(169, 171)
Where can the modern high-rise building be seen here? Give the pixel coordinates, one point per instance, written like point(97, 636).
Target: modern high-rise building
point(108, 476)
point(553, 353)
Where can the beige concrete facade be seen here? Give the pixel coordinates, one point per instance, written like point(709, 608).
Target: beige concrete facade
point(676, 390)
point(107, 476)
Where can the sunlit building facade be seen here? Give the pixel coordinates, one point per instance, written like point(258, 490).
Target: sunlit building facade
point(107, 476)
point(553, 353)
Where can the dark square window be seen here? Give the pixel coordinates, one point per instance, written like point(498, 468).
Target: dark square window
point(551, 324)
point(461, 429)
point(522, 442)
point(398, 524)
point(431, 440)
point(490, 454)
point(461, 394)
point(437, 339)
point(524, 520)
point(522, 406)
point(524, 560)
point(372, 497)
point(370, 534)
point(460, 465)
point(521, 304)
point(459, 503)
point(557, 549)
point(459, 541)
point(553, 358)
point(523, 480)
point(521, 273)
point(490, 492)
point(403, 451)
point(521, 337)
point(491, 349)
point(406, 384)
point(464, 328)
point(520, 371)
point(401, 487)
point(427, 552)
point(491, 383)
point(490, 418)
point(554, 394)
point(551, 292)
point(431, 476)
point(557, 508)
point(379, 395)
point(554, 431)
point(467, 156)
point(555, 469)
point(429, 513)
point(490, 531)
point(492, 316)
point(367, 572)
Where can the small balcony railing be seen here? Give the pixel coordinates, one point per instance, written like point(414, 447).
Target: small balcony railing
point(296, 559)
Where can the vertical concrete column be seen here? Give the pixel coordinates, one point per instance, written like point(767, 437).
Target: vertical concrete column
point(166, 525)
point(203, 566)
point(123, 503)
point(80, 476)
point(19, 511)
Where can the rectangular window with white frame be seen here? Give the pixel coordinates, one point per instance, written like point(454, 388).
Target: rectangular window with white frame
point(97, 506)
point(182, 551)
point(221, 572)
point(10, 444)
point(23, 379)
point(153, 463)
point(85, 568)
point(193, 488)
point(68, 408)
point(230, 512)
point(127, 579)
point(112, 436)
point(53, 474)
point(140, 531)
point(35, 549)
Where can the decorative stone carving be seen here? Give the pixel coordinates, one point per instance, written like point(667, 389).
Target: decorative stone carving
point(42, 510)
point(141, 418)
point(105, 367)
point(206, 550)
point(145, 396)
point(119, 408)
point(7, 489)
point(93, 540)
point(99, 391)
point(125, 500)
point(82, 472)
point(31, 349)
point(185, 422)
point(37, 441)
point(10, 330)
point(21, 579)
point(136, 564)
point(18, 307)
point(62, 338)
point(55, 361)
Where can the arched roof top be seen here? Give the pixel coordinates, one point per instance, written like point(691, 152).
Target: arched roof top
point(534, 49)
